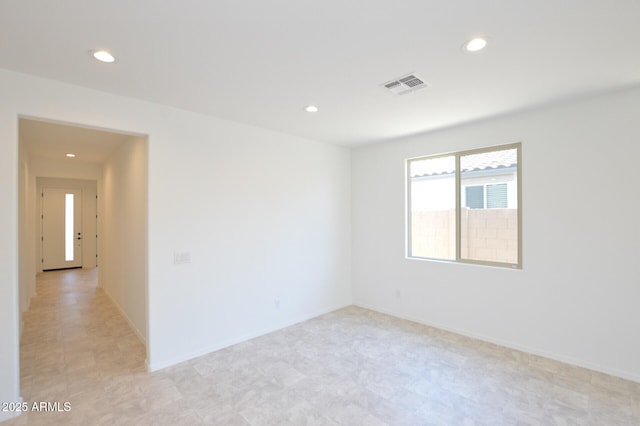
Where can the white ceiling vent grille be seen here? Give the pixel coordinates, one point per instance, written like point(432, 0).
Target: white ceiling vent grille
point(406, 84)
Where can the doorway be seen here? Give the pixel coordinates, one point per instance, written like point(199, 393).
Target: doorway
point(79, 203)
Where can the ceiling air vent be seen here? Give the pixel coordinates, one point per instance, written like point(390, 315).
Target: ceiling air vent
point(406, 84)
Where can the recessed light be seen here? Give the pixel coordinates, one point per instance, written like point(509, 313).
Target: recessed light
point(475, 44)
point(311, 108)
point(102, 56)
point(70, 155)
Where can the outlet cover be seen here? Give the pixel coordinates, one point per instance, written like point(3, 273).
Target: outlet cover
point(181, 258)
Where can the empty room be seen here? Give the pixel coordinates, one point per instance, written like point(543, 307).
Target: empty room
point(319, 213)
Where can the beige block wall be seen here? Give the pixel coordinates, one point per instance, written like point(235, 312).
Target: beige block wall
point(487, 235)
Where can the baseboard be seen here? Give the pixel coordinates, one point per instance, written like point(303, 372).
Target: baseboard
point(142, 338)
point(154, 366)
point(23, 311)
point(533, 351)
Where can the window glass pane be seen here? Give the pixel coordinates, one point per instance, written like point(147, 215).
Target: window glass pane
point(497, 196)
point(491, 233)
point(474, 197)
point(68, 227)
point(432, 198)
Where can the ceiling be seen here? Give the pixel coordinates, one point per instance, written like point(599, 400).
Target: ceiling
point(54, 140)
point(261, 62)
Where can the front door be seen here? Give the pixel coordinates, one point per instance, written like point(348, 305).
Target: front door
point(61, 228)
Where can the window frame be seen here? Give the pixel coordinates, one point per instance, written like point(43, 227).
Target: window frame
point(458, 207)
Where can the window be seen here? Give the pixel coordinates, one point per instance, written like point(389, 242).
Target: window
point(68, 227)
point(486, 196)
point(465, 206)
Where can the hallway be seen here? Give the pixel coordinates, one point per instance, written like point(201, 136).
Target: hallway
point(76, 348)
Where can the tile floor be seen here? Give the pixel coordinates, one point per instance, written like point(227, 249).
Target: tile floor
point(349, 367)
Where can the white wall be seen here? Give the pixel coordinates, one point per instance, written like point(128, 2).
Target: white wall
point(264, 216)
point(123, 264)
point(576, 298)
point(48, 167)
point(9, 301)
point(26, 232)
